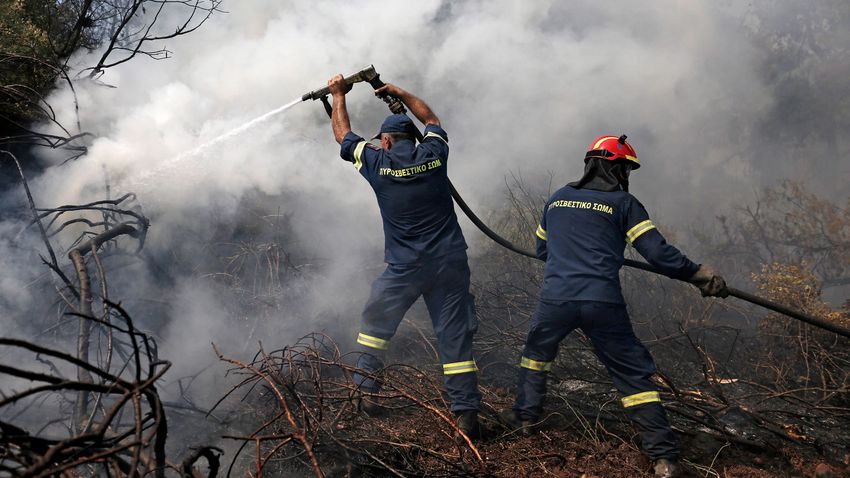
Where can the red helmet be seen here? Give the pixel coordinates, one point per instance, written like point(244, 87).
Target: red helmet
point(612, 148)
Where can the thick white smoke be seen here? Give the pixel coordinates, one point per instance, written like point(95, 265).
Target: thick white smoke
point(520, 87)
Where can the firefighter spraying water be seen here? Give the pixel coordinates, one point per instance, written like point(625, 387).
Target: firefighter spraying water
point(425, 250)
point(373, 78)
point(582, 236)
point(168, 167)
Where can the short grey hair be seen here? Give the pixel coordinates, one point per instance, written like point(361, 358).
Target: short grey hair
point(398, 136)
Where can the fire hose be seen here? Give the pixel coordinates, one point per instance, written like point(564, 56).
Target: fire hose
point(370, 76)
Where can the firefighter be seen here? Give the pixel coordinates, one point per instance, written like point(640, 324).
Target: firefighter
point(424, 247)
point(582, 237)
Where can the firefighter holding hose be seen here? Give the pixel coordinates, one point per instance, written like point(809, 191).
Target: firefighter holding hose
point(582, 237)
point(425, 249)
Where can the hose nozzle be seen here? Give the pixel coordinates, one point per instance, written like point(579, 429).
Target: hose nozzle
point(367, 74)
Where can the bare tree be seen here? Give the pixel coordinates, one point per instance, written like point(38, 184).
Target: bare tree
point(37, 40)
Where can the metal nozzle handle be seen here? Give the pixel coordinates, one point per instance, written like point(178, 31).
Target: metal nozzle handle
point(366, 74)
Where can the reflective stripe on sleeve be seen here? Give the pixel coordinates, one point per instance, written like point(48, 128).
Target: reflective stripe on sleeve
point(372, 342)
point(459, 367)
point(641, 398)
point(639, 229)
point(434, 135)
point(536, 365)
point(541, 233)
point(358, 152)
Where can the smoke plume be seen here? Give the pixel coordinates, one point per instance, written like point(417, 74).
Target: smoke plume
point(708, 93)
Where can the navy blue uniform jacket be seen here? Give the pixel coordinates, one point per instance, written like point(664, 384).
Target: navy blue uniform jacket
point(582, 237)
point(412, 188)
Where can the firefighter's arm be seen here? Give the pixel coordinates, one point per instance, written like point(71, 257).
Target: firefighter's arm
point(542, 251)
point(360, 152)
point(665, 257)
point(672, 263)
point(542, 238)
point(419, 108)
point(339, 116)
point(643, 235)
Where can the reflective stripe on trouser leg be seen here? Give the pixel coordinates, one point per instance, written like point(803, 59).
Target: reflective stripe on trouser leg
point(531, 393)
point(535, 365)
point(531, 387)
point(459, 367)
point(393, 292)
point(549, 325)
point(656, 437)
point(452, 311)
point(631, 367)
point(461, 380)
point(640, 398)
point(371, 361)
point(372, 342)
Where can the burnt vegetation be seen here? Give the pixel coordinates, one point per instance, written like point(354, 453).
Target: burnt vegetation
point(749, 393)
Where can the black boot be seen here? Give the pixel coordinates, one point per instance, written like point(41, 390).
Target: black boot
point(368, 404)
point(467, 422)
point(513, 423)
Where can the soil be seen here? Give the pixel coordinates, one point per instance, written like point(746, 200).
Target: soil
point(408, 439)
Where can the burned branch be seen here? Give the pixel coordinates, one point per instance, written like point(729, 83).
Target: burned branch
point(118, 421)
point(311, 384)
point(135, 27)
point(108, 442)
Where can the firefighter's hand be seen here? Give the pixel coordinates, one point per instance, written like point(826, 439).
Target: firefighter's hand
point(709, 282)
point(338, 86)
point(389, 89)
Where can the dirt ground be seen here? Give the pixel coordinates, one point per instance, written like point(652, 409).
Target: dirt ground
point(413, 442)
point(583, 433)
point(574, 453)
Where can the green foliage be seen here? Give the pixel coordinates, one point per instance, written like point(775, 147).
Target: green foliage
point(36, 37)
point(24, 50)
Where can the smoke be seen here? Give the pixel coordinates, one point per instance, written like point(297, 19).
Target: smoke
point(520, 87)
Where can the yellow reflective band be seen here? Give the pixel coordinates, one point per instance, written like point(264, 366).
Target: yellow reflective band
point(373, 342)
point(541, 233)
point(641, 398)
point(632, 158)
point(639, 229)
point(459, 367)
point(358, 152)
point(537, 365)
point(602, 140)
point(434, 135)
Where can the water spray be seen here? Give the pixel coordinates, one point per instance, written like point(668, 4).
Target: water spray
point(367, 74)
point(167, 166)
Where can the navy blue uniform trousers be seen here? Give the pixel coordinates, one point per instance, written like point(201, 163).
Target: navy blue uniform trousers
point(627, 360)
point(444, 284)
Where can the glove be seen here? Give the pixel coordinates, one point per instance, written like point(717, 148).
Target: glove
point(709, 283)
